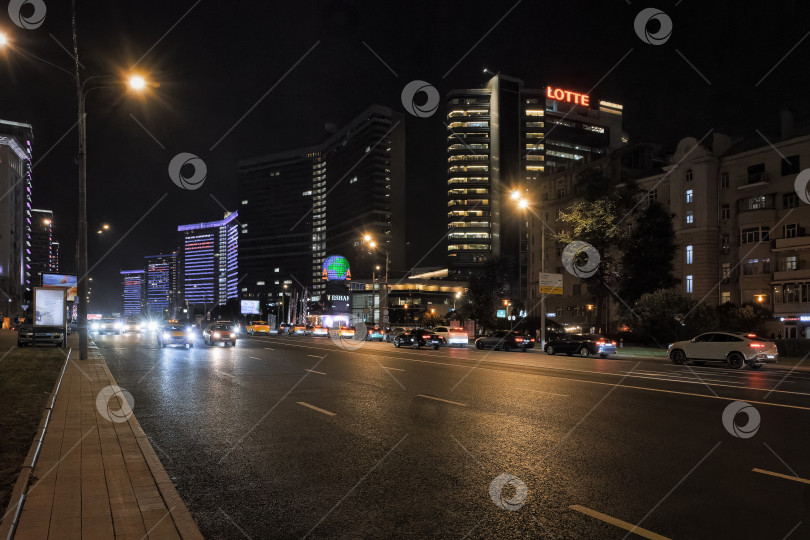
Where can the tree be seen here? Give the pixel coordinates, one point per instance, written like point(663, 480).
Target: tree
point(487, 289)
point(664, 316)
point(648, 254)
point(431, 320)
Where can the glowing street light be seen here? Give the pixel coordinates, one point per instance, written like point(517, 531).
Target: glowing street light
point(523, 204)
point(3, 39)
point(105, 227)
point(137, 83)
point(515, 195)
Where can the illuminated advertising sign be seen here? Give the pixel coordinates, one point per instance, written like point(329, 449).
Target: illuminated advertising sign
point(558, 94)
point(49, 306)
point(250, 307)
point(67, 281)
point(336, 268)
point(501, 314)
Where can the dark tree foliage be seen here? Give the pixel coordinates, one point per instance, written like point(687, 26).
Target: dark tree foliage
point(648, 254)
point(487, 289)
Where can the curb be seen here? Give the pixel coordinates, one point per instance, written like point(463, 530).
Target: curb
point(18, 494)
point(186, 526)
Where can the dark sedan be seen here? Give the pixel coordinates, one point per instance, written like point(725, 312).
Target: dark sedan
point(506, 340)
point(417, 338)
point(581, 344)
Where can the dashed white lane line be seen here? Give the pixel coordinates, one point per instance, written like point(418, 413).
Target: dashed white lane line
point(254, 357)
point(314, 356)
point(314, 408)
point(618, 523)
point(440, 399)
point(313, 371)
point(541, 392)
point(269, 349)
point(780, 475)
point(393, 368)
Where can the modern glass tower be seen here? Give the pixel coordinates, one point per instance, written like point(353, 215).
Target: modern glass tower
point(133, 282)
point(160, 282)
point(210, 261)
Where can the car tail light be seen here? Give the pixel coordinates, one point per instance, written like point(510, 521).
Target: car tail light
point(601, 342)
point(750, 335)
point(613, 343)
point(518, 339)
point(756, 345)
point(531, 339)
point(426, 336)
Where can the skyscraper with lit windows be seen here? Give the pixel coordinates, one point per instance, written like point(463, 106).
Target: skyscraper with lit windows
point(133, 292)
point(210, 261)
point(160, 282)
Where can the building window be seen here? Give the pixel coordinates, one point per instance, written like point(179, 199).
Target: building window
point(756, 173)
point(724, 243)
point(689, 175)
point(560, 311)
point(790, 200)
point(790, 165)
point(245, 201)
point(724, 179)
point(688, 254)
point(690, 216)
point(689, 284)
point(689, 196)
point(753, 235)
point(790, 263)
point(577, 289)
point(276, 269)
point(750, 267)
point(725, 270)
point(766, 266)
point(725, 211)
point(791, 230)
point(560, 192)
point(652, 196)
point(725, 297)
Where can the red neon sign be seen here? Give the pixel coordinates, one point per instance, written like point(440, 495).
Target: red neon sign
point(576, 98)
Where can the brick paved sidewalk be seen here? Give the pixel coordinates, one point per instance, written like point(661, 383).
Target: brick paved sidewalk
point(99, 478)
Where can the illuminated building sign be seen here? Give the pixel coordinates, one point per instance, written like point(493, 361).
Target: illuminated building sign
point(576, 98)
point(336, 267)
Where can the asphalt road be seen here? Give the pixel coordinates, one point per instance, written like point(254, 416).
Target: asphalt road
point(293, 437)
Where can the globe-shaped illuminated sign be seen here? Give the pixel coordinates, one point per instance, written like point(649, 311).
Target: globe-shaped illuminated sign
point(336, 267)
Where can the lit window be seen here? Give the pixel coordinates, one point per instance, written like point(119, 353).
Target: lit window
point(276, 269)
point(689, 196)
point(260, 283)
point(306, 193)
point(689, 254)
point(368, 149)
point(689, 284)
point(353, 180)
point(690, 216)
point(725, 297)
point(245, 201)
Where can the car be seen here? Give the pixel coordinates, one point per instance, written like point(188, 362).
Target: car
point(418, 339)
point(346, 332)
point(107, 325)
point(132, 326)
point(298, 330)
point(394, 332)
point(257, 327)
point(175, 334)
point(220, 333)
point(735, 349)
point(44, 335)
point(284, 328)
point(308, 330)
point(583, 345)
point(506, 340)
point(454, 337)
point(320, 331)
point(374, 333)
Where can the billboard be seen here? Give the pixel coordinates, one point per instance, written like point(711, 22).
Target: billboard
point(49, 306)
point(250, 307)
point(551, 283)
point(62, 280)
point(336, 268)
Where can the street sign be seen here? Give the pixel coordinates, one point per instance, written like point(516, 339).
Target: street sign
point(501, 314)
point(551, 283)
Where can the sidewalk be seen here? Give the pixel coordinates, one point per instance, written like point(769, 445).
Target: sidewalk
point(97, 477)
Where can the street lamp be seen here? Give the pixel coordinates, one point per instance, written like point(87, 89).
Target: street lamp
point(384, 304)
point(3, 39)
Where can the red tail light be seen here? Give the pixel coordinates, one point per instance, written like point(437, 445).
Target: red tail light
point(426, 337)
point(750, 335)
point(531, 339)
point(613, 343)
point(601, 342)
point(756, 345)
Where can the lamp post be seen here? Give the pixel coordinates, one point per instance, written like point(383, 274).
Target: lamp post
point(523, 204)
point(384, 303)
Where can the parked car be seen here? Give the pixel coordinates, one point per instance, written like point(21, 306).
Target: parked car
point(735, 349)
point(107, 325)
point(175, 334)
point(418, 339)
point(583, 345)
point(320, 331)
point(394, 332)
point(219, 333)
point(257, 327)
point(47, 335)
point(454, 337)
point(506, 340)
point(374, 333)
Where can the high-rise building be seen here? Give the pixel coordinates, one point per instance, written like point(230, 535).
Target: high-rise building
point(15, 213)
point(133, 292)
point(500, 139)
point(41, 243)
point(299, 205)
point(210, 261)
point(160, 280)
point(55, 248)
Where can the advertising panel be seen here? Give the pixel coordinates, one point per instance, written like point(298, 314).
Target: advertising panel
point(68, 281)
point(250, 307)
point(49, 306)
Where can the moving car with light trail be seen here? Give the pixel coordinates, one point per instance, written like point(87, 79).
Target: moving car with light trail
point(736, 350)
point(418, 339)
point(132, 326)
point(220, 333)
point(298, 330)
point(506, 340)
point(107, 325)
point(175, 334)
point(257, 327)
point(320, 331)
point(453, 337)
point(346, 332)
point(583, 345)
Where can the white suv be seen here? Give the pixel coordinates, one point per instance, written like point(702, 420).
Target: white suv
point(736, 350)
point(454, 337)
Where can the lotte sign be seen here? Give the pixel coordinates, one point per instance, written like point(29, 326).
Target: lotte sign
point(576, 98)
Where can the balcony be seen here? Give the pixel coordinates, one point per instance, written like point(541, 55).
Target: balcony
point(747, 181)
point(801, 274)
point(791, 244)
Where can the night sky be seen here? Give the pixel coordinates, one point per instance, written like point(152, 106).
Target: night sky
point(216, 63)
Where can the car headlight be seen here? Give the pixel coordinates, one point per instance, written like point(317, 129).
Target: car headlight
point(216, 334)
point(233, 334)
point(167, 335)
point(94, 327)
point(152, 325)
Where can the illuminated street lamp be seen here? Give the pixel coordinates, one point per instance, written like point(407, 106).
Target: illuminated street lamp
point(3, 39)
point(383, 304)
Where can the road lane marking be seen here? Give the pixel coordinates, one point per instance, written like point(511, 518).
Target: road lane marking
point(313, 371)
point(314, 356)
point(254, 357)
point(394, 368)
point(618, 523)
point(269, 349)
point(314, 408)
point(440, 399)
point(780, 475)
point(542, 392)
